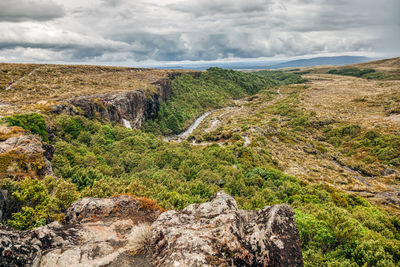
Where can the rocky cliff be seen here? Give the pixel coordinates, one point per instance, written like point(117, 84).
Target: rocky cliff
point(127, 231)
point(130, 108)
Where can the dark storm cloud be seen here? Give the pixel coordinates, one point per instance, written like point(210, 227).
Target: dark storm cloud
point(174, 30)
point(29, 10)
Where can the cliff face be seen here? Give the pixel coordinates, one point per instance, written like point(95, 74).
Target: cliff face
point(124, 231)
point(130, 108)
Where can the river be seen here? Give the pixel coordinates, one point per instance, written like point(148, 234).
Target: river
point(182, 136)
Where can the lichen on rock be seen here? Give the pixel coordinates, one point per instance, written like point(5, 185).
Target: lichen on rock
point(127, 231)
point(217, 233)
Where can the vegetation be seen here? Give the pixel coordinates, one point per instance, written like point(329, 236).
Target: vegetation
point(101, 159)
point(212, 89)
point(370, 146)
point(366, 73)
point(104, 160)
point(37, 202)
point(352, 72)
point(32, 122)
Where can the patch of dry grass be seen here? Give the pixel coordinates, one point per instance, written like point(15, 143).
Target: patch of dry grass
point(139, 240)
point(38, 87)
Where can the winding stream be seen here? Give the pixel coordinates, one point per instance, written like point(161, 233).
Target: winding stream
point(182, 136)
point(214, 123)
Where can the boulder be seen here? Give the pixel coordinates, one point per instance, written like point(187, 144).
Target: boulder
point(24, 154)
point(96, 232)
point(130, 231)
point(217, 233)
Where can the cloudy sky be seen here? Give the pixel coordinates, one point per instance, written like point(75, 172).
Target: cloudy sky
point(125, 32)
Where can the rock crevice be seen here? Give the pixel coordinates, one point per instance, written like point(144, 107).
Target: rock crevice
point(125, 231)
point(217, 233)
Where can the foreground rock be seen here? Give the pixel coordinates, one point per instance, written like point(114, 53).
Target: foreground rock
point(23, 154)
point(127, 231)
point(217, 233)
point(96, 232)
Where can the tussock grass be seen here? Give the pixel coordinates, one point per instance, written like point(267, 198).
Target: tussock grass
point(140, 239)
point(37, 87)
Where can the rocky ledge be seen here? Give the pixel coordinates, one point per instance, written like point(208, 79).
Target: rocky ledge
point(130, 108)
point(127, 231)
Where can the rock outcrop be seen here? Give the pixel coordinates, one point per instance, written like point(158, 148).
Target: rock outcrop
point(127, 231)
point(23, 154)
point(132, 107)
point(96, 232)
point(217, 233)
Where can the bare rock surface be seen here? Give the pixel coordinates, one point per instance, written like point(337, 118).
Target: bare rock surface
point(217, 233)
point(129, 231)
point(96, 232)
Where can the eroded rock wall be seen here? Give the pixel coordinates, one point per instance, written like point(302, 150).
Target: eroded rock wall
point(134, 106)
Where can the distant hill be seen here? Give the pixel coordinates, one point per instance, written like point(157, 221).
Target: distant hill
point(317, 61)
point(234, 65)
point(384, 64)
point(268, 64)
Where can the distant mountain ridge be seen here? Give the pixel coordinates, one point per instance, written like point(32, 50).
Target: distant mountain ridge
point(317, 61)
point(267, 64)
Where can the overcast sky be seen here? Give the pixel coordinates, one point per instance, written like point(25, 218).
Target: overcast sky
point(125, 31)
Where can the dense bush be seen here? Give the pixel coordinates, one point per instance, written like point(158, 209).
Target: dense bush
point(38, 202)
point(352, 72)
point(32, 122)
point(334, 227)
point(379, 147)
point(367, 73)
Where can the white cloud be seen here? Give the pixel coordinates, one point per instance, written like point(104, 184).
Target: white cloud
point(173, 30)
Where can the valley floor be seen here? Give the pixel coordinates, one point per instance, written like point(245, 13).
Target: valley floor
point(304, 152)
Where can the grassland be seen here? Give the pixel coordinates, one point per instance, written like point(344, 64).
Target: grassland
point(37, 87)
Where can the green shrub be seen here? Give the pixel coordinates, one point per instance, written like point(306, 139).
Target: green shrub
point(106, 160)
point(352, 72)
point(38, 202)
point(32, 122)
